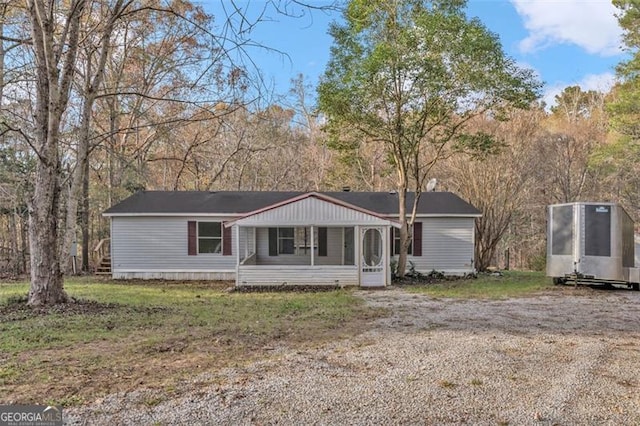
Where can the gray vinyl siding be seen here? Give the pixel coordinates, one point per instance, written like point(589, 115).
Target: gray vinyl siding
point(311, 210)
point(160, 244)
point(334, 251)
point(447, 245)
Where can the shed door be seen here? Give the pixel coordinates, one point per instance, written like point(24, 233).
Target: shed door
point(372, 259)
point(597, 230)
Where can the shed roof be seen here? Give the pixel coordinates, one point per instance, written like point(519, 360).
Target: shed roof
point(242, 202)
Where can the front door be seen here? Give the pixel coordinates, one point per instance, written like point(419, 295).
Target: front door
point(372, 262)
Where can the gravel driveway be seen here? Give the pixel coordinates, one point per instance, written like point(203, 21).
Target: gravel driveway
point(569, 356)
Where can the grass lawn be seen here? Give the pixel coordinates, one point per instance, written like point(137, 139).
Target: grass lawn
point(124, 336)
point(511, 284)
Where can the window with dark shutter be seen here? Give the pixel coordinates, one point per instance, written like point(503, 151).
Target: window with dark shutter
point(322, 241)
point(395, 242)
point(226, 241)
point(417, 239)
point(296, 241)
point(192, 238)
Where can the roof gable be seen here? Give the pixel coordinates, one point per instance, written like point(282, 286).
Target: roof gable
point(311, 208)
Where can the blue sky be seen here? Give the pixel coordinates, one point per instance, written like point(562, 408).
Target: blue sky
point(567, 42)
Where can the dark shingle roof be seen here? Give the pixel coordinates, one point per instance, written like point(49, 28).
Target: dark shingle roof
point(240, 202)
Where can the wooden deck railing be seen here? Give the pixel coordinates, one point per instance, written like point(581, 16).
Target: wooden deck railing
point(102, 250)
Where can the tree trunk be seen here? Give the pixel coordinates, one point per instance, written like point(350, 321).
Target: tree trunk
point(404, 232)
point(84, 220)
point(54, 74)
point(77, 184)
point(111, 150)
point(67, 230)
point(14, 256)
point(23, 243)
point(46, 277)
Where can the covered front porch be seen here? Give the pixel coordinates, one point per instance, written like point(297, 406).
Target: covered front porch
point(314, 240)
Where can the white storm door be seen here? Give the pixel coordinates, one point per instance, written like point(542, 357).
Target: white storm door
point(372, 257)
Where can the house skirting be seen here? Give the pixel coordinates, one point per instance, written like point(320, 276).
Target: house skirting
point(174, 275)
point(261, 275)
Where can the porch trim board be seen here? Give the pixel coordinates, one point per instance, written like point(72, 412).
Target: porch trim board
point(273, 275)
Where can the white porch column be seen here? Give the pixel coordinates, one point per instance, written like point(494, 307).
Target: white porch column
point(357, 242)
point(255, 243)
point(386, 255)
point(246, 245)
point(237, 235)
point(342, 247)
point(312, 246)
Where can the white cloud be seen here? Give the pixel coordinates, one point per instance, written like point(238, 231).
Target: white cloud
point(599, 82)
point(590, 25)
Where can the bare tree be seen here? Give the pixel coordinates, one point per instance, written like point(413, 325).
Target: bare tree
point(573, 133)
point(497, 185)
point(55, 29)
point(95, 51)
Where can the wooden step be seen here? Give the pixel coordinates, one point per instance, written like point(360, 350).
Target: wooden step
point(104, 267)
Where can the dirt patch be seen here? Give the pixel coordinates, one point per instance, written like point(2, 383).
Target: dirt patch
point(81, 351)
point(204, 284)
point(561, 309)
point(16, 309)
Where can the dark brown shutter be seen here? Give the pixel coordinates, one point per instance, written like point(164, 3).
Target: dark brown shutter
point(322, 241)
point(192, 236)
point(226, 240)
point(417, 239)
point(273, 241)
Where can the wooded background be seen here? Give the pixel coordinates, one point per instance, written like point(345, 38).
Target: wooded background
point(163, 97)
